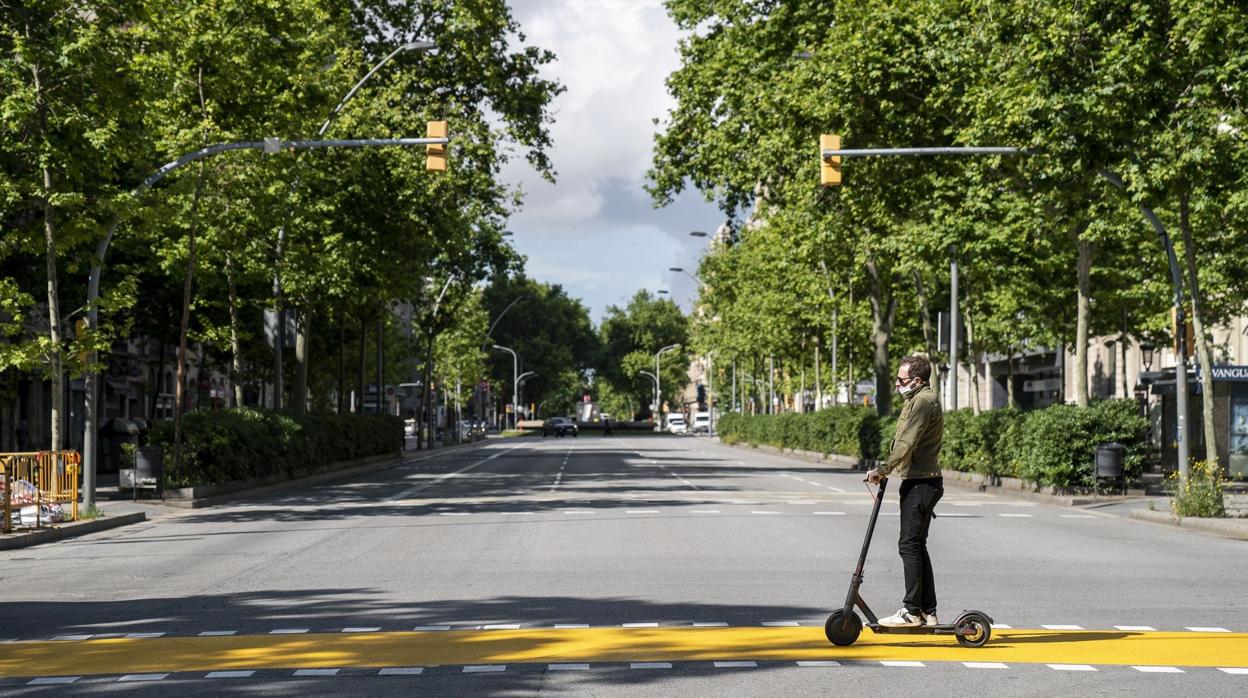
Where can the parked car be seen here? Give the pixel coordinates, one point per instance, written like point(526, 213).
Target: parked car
point(702, 423)
point(559, 426)
point(676, 424)
point(409, 427)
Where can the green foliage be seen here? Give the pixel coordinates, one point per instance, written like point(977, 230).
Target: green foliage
point(240, 444)
point(971, 441)
point(1202, 495)
point(1057, 445)
point(629, 338)
point(845, 431)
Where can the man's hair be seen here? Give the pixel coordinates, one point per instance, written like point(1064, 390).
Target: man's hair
point(919, 366)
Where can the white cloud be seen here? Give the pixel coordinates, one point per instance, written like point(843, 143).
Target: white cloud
point(595, 231)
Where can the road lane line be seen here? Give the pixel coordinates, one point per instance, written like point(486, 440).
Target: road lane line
point(735, 665)
point(1062, 627)
point(402, 671)
point(1137, 628)
point(901, 663)
point(641, 511)
point(572, 625)
point(413, 490)
point(567, 667)
point(288, 631)
point(501, 626)
point(818, 662)
point(639, 625)
point(781, 624)
point(1072, 667)
point(51, 680)
point(1209, 630)
point(229, 674)
point(218, 633)
point(143, 677)
point(484, 668)
point(985, 665)
point(1242, 671)
point(1159, 669)
point(316, 672)
point(650, 665)
point(829, 513)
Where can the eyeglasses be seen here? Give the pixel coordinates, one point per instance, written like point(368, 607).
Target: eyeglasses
point(903, 381)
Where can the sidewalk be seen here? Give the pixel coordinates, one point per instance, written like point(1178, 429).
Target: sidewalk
point(1136, 507)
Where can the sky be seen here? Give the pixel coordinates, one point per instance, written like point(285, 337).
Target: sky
point(596, 231)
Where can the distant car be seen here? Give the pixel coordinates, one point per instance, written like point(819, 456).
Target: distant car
point(559, 426)
point(702, 423)
point(676, 424)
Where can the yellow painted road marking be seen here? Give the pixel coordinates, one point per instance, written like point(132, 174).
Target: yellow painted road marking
point(476, 647)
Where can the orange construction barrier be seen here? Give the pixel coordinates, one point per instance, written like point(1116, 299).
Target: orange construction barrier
point(37, 484)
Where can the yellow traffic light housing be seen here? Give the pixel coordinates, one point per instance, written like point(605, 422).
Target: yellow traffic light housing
point(435, 154)
point(1187, 334)
point(829, 165)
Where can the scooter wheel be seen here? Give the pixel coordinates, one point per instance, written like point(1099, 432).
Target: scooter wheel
point(842, 630)
point(973, 630)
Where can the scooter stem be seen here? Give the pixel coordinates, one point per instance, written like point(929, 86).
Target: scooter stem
point(866, 542)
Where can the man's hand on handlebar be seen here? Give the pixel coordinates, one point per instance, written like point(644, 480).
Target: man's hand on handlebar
point(873, 476)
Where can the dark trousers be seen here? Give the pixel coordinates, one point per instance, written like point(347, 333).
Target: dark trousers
point(918, 502)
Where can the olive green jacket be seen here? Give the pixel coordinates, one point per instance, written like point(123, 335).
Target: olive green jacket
point(920, 431)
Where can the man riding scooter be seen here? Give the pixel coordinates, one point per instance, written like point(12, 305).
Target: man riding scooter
point(915, 460)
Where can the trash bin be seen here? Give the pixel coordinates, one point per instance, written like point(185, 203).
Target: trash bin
point(1109, 458)
point(149, 464)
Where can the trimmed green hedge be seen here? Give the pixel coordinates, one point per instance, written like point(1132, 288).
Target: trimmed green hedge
point(1052, 446)
point(243, 443)
point(848, 431)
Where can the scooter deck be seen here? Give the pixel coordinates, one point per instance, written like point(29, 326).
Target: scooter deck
point(942, 629)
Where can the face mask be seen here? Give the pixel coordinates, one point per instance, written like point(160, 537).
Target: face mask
point(908, 390)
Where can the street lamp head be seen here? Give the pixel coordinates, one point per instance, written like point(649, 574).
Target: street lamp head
point(1146, 356)
point(675, 269)
point(698, 234)
point(663, 291)
point(418, 46)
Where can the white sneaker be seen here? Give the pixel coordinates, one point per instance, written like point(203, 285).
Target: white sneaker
point(902, 619)
point(930, 619)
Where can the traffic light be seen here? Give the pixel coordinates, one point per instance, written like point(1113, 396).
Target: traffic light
point(435, 154)
point(1188, 335)
point(829, 166)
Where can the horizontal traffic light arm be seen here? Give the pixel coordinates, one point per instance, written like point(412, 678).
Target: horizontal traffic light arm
point(957, 150)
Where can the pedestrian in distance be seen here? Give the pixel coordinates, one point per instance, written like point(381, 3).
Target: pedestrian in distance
point(914, 459)
point(606, 426)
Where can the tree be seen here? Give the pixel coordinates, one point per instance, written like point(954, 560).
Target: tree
point(629, 338)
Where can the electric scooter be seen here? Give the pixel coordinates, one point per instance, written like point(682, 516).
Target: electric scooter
point(972, 628)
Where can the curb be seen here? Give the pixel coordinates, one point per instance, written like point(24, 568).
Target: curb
point(71, 530)
point(1236, 529)
point(314, 479)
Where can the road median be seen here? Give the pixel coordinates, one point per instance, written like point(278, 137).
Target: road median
point(74, 529)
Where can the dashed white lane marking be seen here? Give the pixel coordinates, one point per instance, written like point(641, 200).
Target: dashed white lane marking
point(641, 511)
point(710, 625)
point(1072, 667)
point(360, 630)
point(955, 515)
point(143, 677)
point(72, 637)
point(704, 511)
point(1159, 669)
point(218, 633)
point(894, 662)
point(1209, 630)
point(985, 665)
point(316, 672)
point(498, 626)
point(756, 511)
point(781, 624)
point(401, 671)
point(430, 628)
point(138, 636)
point(1141, 628)
point(735, 665)
point(483, 668)
point(650, 665)
point(288, 631)
point(639, 625)
point(829, 513)
point(454, 513)
point(229, 674)
point(50, 680)
point(574, 511)
point(515, 513)
point(1061, 627)
point(1002, 626)
point(413, 490)
point(568, 667)
point(1016, 516)
point(1234, 670)
point(818, 662)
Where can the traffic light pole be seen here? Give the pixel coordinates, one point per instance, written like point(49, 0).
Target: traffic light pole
point(830, 159)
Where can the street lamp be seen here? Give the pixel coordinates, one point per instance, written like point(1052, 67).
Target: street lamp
point(515, 380)
point(1146, 356)
point(691, 275)
point(654, 378)
point(658, 382)
point(520, 380)
point(698, 234)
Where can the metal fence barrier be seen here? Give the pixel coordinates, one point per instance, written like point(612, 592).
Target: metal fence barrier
point(37, 484)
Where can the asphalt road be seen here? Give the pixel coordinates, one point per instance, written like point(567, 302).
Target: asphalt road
point(673, 565)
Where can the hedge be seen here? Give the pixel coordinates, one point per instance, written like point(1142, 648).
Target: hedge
point(848, 431)
point(243, 443)
point(1051, 446)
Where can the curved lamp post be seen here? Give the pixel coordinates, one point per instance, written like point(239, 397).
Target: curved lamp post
point(515, 380)
point(658, 382)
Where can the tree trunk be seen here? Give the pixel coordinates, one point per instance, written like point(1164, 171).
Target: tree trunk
point(921, 294)
point(1081, 321)
point(160, 376)
point(179, 390)
point(818, 378)
point(236, 348)
point(56, 372)
point(299, 397)
point(972, 363)
point(359, 396)
point(1198, 326)
point(882, 316)
point(342, 360)
point(1010, 397)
